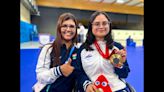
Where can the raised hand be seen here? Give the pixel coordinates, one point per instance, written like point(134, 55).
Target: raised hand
point(123, 53)
point(66, 68)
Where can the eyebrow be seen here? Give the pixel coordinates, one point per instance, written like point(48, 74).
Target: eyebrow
point(69, 24)
point(101, 21)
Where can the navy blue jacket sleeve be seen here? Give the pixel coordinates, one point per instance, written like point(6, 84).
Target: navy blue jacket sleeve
point(124, 71)
point(81, 76)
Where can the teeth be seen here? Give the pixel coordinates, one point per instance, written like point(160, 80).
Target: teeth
point(70, 33)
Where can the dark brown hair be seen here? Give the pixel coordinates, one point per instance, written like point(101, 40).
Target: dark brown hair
point(91, 38)
point(56, 45)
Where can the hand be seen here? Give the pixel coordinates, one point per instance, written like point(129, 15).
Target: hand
point(123, 53)
point(66, 68)
point(91, 88)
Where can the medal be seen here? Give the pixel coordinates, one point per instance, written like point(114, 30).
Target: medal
point(113, 58)
point(116, 59)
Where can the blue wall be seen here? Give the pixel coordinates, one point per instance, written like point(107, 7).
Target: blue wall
point(26, 30)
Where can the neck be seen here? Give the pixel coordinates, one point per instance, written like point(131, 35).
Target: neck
point(100, 38)
point(68, 43)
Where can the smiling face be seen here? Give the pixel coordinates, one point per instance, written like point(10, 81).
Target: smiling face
point(100, 26)
point(68, 30)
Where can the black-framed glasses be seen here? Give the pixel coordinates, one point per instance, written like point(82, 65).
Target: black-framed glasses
point(98, 24)
point(68, 26)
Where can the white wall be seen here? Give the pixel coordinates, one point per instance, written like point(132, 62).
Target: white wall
point(24, 14)
point(122, 35)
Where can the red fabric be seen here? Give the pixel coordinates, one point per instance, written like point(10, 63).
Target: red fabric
point(102, 84)
point(104, 55)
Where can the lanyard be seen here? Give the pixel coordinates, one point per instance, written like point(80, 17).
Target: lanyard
point(48, 88)
point(70, 53)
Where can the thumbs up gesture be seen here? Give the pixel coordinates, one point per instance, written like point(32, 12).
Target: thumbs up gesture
point(66, 68)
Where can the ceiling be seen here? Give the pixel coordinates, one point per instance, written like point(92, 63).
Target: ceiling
point(138, 3)
point(117, 6)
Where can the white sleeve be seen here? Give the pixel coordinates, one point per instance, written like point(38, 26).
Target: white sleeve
point(44, 73)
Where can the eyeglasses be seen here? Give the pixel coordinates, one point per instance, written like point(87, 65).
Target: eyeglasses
point(68, 26)
point(98, 24)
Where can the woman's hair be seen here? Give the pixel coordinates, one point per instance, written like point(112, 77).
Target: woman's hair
point(91, 38)
point(56, 45)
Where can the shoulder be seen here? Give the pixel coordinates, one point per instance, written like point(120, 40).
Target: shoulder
point(75, 49)
point(118, 45)
point(46, 47)
point(81, 47)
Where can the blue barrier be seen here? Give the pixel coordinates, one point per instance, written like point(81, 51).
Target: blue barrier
point(130, 42)
point(27, 32)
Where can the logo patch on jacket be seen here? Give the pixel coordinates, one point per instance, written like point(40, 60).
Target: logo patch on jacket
point(88, 56)
point(74, 56)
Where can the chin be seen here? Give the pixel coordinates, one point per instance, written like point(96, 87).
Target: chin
point(68, 39)
point(102, 35)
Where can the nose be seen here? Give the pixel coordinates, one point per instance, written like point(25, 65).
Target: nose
point(68, 28)
point(101, 26)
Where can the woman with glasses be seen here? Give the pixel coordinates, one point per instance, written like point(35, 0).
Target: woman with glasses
point(57, 68)
point(103, 60)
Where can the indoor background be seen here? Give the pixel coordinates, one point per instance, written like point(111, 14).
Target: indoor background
point(40, 17)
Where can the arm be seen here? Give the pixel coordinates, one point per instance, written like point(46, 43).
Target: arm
point(81, 77)
point(124, 71)
point(45, 74)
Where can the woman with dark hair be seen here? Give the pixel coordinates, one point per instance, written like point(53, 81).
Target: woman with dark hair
point(103, 60)
point(57, 68)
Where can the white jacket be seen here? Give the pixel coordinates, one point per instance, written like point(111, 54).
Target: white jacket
point(94, 65)
point(45, 75)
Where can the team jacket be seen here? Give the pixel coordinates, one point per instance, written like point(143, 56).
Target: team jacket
point(53, 76)
point(94, 65)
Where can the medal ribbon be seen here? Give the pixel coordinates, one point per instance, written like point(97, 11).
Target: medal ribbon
point(106, 55)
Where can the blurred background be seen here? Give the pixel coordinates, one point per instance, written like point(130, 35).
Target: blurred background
point(38, 19)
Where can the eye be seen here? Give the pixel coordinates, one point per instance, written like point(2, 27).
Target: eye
point(97, 83)
point(96, 23)
point(72, 26)
point(64, 26)
point(104, 23)
point(104, 83)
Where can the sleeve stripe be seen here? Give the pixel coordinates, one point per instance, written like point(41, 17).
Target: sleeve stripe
point(55, 71)
point(85, 84)
point(59, 70)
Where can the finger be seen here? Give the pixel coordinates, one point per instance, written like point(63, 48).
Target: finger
point(73, 68)
point(69, 61)
point(94, 88)
point(123, 53)
point(124, 49)
point(116, 51)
